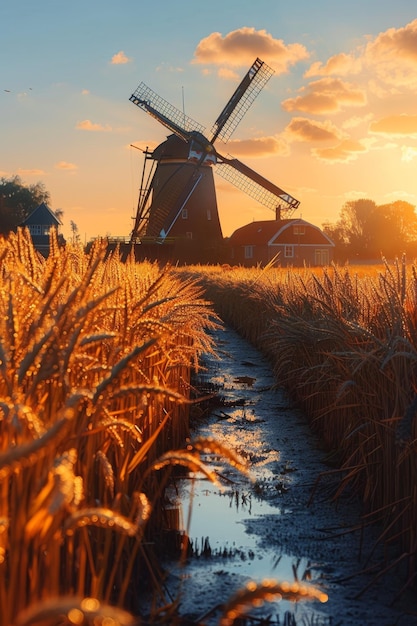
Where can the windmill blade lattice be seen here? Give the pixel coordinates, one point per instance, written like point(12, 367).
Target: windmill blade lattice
point(255, 185)
point(249, 88)
point(171, 117)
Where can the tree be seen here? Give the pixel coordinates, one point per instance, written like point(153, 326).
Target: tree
point(368, 231)
point(17, 201)
point(397, 228)
point(356, 219)
point(75, 232)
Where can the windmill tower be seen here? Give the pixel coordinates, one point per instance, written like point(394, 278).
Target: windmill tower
point(177, 202)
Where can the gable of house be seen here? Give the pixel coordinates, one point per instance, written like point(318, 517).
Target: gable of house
point(299, 232)
point(39, 222)
point(42, 215)
point(294, 240)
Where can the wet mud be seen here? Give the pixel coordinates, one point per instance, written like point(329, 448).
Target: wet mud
point(280, 523)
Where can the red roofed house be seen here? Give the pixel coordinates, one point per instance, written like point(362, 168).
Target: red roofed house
point(295, 241)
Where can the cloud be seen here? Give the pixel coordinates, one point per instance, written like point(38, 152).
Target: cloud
point(33, 172)
point(64, 165)
point(88, 125)
point(390, 57)
point(326, 95)
point(240, 47)
point(346, 150)
point(393, 55)
point(85, 92)
point(355, 121)
point(228, 74)
point(408, 154)
point(260, 147)
point(341, 65)
point(120, 58)
point(396, 125)
point(166, 67)
point(303, 129)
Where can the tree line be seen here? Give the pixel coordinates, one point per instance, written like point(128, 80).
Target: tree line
point(18, 200)
point(366, 230)
point(363, 231)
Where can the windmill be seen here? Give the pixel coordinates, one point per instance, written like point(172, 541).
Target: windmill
point(178, 199)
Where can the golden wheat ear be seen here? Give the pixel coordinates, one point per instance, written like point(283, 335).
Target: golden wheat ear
point(255, 594)
point(69, 611)
point(212, 446)
point(107, 518)
point(188, 460)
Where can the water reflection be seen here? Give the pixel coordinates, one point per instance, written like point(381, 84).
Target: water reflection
point(226, 533)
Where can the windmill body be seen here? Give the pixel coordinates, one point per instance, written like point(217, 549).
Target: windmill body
point(182, 199)
point(178, 201)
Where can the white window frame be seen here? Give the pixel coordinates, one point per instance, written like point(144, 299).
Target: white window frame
point(321, 256)
point(249, 252)
point(289, 252)
point(35, 229)
point(299, 230)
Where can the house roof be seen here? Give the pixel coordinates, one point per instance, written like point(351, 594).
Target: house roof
point(42, 215)
point(268, 232)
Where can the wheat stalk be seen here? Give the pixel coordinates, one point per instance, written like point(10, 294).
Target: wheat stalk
point(255, 594)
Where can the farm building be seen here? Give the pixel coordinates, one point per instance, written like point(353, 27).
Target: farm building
point(40, 222)
point(291, 241)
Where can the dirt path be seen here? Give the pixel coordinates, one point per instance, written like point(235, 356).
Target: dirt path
point(268, 528)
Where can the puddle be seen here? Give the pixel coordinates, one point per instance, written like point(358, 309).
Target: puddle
point(270, 528)
point(230, 530)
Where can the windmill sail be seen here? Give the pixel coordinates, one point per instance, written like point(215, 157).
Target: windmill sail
point(254, 185)
point(164, 112)
point(255, 79)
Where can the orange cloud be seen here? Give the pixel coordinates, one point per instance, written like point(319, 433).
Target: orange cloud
point(347, 150)
point(262, 146)
point(390, 57)
point(33, 172)
point(228, 74)
point(341, 64)
point(88, 125)
point(303, 129)
point(393, 55)
point(240, 47)
point(120, 58)
point(327, 95)
point(63, 165)
point(396, 125)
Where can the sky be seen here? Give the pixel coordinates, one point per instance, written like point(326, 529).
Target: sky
point(336, 122)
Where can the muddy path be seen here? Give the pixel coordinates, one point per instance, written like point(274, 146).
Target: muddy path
point(271, 526)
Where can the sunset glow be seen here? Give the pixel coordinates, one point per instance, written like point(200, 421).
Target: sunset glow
point(337, 121)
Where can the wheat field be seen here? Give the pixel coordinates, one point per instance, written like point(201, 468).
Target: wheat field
point(95, 361)
point(96, 357)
